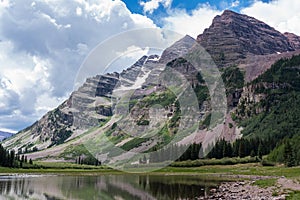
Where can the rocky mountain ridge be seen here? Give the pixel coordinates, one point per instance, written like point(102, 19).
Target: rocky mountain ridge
point(293, 39)
point(241, 46)
point(233, 37)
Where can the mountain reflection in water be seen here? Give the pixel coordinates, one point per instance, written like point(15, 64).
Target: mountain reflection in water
point(117, 187)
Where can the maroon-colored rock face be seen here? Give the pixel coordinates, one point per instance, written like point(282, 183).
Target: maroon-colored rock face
point(233, 36)
point(293, 39)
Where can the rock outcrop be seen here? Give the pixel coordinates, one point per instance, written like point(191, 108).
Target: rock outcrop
point(233, 37)
point(293, 39)
point(178, 49)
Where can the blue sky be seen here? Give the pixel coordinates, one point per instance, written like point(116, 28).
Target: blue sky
point(43, 43)
point(187, 5)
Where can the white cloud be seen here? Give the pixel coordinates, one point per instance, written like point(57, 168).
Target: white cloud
point(127, 58)
point(133, 52)
point(150, 6)
point(23, 79)
point(192, 24)
point(78, 11)
point(235, 4)
point(7, 130)
point(283, 15)
point(42, 45)
point(4, 3)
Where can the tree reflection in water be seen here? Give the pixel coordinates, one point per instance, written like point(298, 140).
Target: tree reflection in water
point(127, 186)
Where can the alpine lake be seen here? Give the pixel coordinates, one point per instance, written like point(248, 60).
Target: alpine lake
point(105, 186)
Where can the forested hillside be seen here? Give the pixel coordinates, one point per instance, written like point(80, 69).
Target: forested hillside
point(271, 123)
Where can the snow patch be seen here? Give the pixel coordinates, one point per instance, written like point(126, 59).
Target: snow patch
point(138, 82)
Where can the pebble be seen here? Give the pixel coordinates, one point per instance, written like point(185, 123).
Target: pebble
point(243, 191)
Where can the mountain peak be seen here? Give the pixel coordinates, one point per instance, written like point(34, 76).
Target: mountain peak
point(229, 13)
point(178, 49)
point(234, 16)
point(233, 36)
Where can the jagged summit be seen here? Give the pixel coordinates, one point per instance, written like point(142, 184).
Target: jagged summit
point(178, 49)
point(233, 36)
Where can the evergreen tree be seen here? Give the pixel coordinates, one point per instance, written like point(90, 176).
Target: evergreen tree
point(242, 149)
point(289, 156)
point(260, 151)
point(252, 153)
point(144, 160)
point(227, 150)
point(12, 158)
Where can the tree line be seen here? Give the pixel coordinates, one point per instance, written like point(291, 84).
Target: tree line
point(174, 152)
point(254, 147)
point(10, 159)
point(89, 160)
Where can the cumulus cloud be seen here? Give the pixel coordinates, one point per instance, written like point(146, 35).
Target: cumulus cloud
point(23, 78)
point(150, 6)
point(42, 45)
point(192, 23)
point(283, 15)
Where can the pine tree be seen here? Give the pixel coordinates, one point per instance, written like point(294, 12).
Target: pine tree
point(228, 150)
point(144, 160)
point(194, 151)
point(252, 153)
point(242, 151)
point(260, 151)
point(289, 157)
point(11, 158)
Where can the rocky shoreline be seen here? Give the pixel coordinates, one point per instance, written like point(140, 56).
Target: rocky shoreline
point(245, 190)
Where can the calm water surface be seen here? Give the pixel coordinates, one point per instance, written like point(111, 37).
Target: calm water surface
point(104, 187)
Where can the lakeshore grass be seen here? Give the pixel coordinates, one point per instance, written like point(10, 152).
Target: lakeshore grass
point(239, 169)
point(265, 183)
point(208, 173)
point(295, 195)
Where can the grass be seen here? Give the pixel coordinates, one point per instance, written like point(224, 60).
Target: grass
point(295, 195)
point(74, 151)
point(61, 168)
point(223, 161)
point(133, 143)
point(238, 169)
point(265, 183)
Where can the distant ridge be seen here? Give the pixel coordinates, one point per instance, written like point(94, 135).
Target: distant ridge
point(4, 135)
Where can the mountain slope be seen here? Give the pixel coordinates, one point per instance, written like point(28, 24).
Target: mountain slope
point(293, 39)
point(87, 107)
point(244, 46)
point(91, 105)
point(269, 108)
